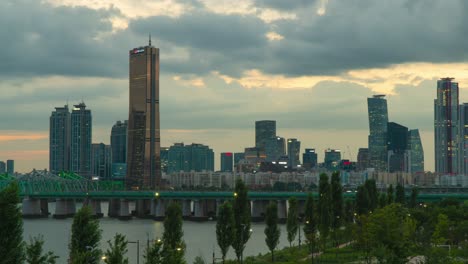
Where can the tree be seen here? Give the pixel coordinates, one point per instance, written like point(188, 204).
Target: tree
point(11, 226)
point(272, 231)
point(117, 250)
point(372, 193)
point(441, 232)
point(34, 252)
point(349, 211)
point(84, 244)
point(382, 200)
point(414, 197)
point(336, 204)
point(225, 228)
point(324, 208)
point(199, 260)
point(153, 254)
point(173, 244)
point(362, 200)
point(390, 194)
point(310, 224)
point(400, 194)
point(292, 223)
point(241, 208)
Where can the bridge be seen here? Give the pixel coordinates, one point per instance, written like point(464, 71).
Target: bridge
point(39, 188)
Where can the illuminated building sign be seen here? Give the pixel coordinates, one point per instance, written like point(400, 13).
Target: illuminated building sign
point(137, 51)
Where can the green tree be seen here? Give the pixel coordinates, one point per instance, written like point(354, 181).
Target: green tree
point(414, 197)
point(117, 250)
point(336, 204)
point(372, 193)
point(225, 228)
point(34, 252)
point(292, 223)
point(310, 224)
point(84, 244)
point(324, 208)
point(242, 218)
point(441, 231)
point(199, 260)
point(390, 194)
point(400, 194)
point(382, 200)
point(272, 231)
point(11, 226)
point(173, 244)
point(349, 211)
point(153, 254)
point(362, 200)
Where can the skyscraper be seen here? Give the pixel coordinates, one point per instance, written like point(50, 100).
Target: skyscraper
point(10, 167)
point(143, 151)
point(81, 136)
point(194, 157)
point(463, 142)
point(59, 140)
point(226, 161)
point(164, 153)
point(101, 161)
point(415, 152)
point(294, 148)
point(309, 158)
point(397, 136)
point(275, 148)
point(119, 142)
point(332, 159)
point(362, 159)
point(2, 167)
point(446, 127)
point(378, 119)
point(264, 130)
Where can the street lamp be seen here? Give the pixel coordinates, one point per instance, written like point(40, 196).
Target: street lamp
point(138, 249)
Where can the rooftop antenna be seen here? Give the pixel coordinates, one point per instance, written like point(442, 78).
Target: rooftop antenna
point(150, 39)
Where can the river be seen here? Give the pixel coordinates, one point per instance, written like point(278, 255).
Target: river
point(200, 237)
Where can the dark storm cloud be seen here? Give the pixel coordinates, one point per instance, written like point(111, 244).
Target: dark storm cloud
point(285, 5)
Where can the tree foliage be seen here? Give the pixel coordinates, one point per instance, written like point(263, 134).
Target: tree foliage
point(34, 252)
point(292, 223)
point(414, 197)
point(372, 193)
point(85, 238)
point(272, 231)
point(390, 194)
point(362, 200)
point(11, 226)
point(336, 201)
point(400, 194)
point(242, 218)
point(324, 208)
point(117, 250)
point(225, 228)
point(174, 245)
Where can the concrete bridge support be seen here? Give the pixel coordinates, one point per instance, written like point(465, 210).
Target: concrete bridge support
point(95, 206)
point(64, 208)
point(124, 212)
point(301, 208)
point(199, 210)
point(258, 210)
point(282, 211)
point(45, 207)
point(186, 208)
point(114, 208)
point(143, 208)
point(31, 208)
point(160, 209)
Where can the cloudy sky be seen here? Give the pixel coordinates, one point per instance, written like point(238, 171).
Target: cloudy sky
point(308, 64)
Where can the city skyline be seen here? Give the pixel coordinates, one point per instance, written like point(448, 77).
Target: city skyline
point(314, 96)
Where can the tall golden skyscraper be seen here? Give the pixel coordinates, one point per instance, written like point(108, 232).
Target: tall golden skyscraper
point(143, 150)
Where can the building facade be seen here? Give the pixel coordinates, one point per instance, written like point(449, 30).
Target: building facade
point(446, 127)
point(80, 140)
point(143, 151)
point(415, 152)
point(2, 167)
point(275, 148)
point(10, 167)
point(463, 140)
point(164, 159)
point(194, 157)
point(294, 149)
point(101, 160)
point(378, 119)
point(59, 140)
point(226, 161)
point(332, 159)
point(118, 142)
point(309, 158)
point(264, 130)
point(362, 159)
point(397, 144)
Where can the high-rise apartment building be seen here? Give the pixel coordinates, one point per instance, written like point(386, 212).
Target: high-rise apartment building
point(143, 151)
point(415, 152)
point(194, 157)
point(81, 136)
point(226, 161)
point(397, 136)
point(10, 167)
point(101, 161)
point(294, 148)
point(118, 142)
point(362, 159)
point(446, 127)
point(463, 140)
point(378, 119)
point(264, 130)
point(309, 158)
point(2, 167)
point(332, 159)
point(59, 140)
point(164, 159)
point(275, 148)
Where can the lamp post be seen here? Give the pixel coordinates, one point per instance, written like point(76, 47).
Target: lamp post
point(138, 249)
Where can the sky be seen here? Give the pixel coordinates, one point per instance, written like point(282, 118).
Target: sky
point(308, 64)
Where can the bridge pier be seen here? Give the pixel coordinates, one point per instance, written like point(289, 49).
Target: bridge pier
point(31, 208)
point(301, 208)
point(199, 210)
point(95, 206)
point(258, 210)
point(114, 208)
point(186, 208)
point(143, 208)
point(124, 212)
point(160, 209)
point(282, 211)
point(64, 208)
point(45, 207)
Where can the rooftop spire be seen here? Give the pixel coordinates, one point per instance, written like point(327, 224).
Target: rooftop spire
point(150, 39)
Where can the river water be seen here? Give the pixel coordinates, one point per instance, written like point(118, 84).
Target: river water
point(200, 237)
